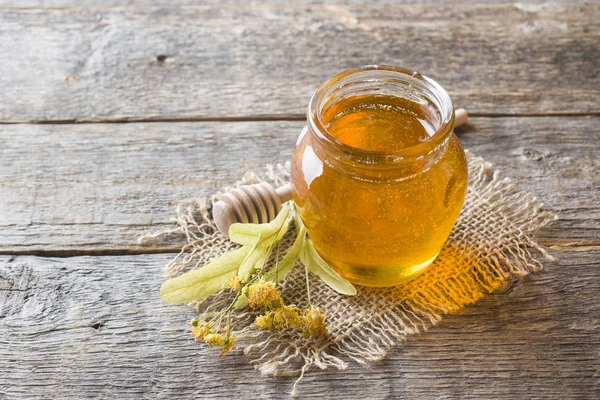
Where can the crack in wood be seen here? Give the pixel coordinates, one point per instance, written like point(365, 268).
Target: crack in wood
point(261, 117)
point(124, 251)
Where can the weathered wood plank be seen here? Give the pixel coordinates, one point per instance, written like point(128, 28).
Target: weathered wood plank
point(94, 327)
point(97, 187)
point(554, 158)
point(222, 60)
point(145, 3)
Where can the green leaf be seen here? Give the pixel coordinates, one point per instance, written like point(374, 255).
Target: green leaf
point(254, 255)
point(261, 237)
point(261, 261)
point(203, 282)
point(315, 264)
point(287, 262)
point(248, 234)
point(267, 234)
point(298, 219)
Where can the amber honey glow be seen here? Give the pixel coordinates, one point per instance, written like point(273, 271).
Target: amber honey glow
point(378, 176)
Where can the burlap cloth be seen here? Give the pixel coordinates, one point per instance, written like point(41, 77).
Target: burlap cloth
point(490, 244)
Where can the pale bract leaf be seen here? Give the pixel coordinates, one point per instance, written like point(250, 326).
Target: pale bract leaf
point(255, 254)
point(203, 282)
point(315, 264)
point(267, 235)
point(284, 266)
point(248, 234)
point(261, 261)
point(298, 220)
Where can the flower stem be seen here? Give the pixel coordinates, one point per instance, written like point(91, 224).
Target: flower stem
point(307, 287)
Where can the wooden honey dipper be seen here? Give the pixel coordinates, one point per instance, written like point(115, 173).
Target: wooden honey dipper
point(261, 202)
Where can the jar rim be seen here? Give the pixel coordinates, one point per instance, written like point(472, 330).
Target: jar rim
point(441, 99)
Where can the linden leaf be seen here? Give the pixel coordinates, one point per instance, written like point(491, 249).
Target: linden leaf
point(284, 266)
point(298, 220)
point(255, 254)
point(315, 264)
point(261, 261)
point(264, 236)
point(261, 234)
point(203, 282)
point(247, 234)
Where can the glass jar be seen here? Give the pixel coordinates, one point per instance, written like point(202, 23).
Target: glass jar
point(379, 214)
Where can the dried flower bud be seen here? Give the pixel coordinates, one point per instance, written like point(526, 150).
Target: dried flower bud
point(289, 316)
point(264, 294)
point(228, 345)
point(265, 321)
point(315, 322)
point(235, 283)
point(199, 329)
point(214, 339)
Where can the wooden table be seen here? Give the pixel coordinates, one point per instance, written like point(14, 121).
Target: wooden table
point(110, 113)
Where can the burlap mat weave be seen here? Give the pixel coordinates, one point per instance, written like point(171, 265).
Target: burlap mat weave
point(490, 244)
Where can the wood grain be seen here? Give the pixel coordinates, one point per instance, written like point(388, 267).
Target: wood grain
point(93, 189)
point(100, 4)
point(223, 60)
point(94, 327)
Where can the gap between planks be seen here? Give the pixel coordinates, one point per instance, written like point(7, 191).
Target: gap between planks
point(562, 247)
point(265, 117)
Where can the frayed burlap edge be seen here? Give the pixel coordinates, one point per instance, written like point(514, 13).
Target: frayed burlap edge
point(491, 244)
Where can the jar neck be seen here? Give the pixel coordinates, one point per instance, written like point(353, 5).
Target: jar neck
point(381, 80)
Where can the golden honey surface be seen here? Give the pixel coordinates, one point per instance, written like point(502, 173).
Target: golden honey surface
point(377, 123)
point(378, 225)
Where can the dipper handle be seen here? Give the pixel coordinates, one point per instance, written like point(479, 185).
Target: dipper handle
point(256, 204)
point(460, 117)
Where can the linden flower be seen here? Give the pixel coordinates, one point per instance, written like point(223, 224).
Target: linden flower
point(200, 332)
point(235, 282)
point(315, 322)
point(214, 339)
point(228, 345)
point(289, 316)
point(265, 321)
point(264, 294)
point(199, 329)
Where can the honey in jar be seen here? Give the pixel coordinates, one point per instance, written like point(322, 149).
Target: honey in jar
point(378, 175)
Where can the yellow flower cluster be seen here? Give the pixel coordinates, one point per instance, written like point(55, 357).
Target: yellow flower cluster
point(265, 321)
point(315, 322)
point(199, 329)
point(311, 322)
point(214, 339)
point(202, 331)
point(235, 283)
point(289, 316)
point(228, 344)
point(283, 317)
point(264, 295)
